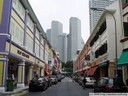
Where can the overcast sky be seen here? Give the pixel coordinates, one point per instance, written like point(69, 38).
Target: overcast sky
point(61, 10)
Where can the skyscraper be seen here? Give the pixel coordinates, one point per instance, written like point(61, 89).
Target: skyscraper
point(48, 34)
point(74, 38)
point(58, 39)
point(95, 14)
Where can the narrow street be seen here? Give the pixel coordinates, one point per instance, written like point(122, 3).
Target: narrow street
point(64, 88)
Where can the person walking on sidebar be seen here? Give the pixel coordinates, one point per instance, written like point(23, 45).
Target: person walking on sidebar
point(84, 82)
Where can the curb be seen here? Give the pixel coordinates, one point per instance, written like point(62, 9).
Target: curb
point(20, 94)
point(16, 91)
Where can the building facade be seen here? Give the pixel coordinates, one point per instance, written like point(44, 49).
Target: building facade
point(25, 49)
point(123, 61)
point(100, 50)
point(95, 14)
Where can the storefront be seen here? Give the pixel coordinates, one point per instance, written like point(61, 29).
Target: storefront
point(94, 72)
point(20, 65)
point(123, 62)
point(103, 67)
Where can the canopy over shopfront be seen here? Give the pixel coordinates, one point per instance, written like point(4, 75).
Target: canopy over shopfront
point(103, 64)
point(47, 72)
point(91, 71)
point(123, 61)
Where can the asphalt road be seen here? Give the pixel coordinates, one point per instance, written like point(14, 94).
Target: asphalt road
point(64, 88)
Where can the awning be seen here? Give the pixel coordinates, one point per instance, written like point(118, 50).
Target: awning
point(123, 61)
point(91, 71)
point(103, 64)
point(47, 72)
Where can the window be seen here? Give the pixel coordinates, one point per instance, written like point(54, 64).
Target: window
point(37, 33)
point(17, 32)
point(37, 49)
point(42, 40)
point(12, 29)
point(21, 36)
point(14, 3)
point(19, 8)
point(41, 53)
point(29, 43)
point(125, 28)
point(30, 23)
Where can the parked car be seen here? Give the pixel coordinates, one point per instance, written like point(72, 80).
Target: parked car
point(90, 81)
point(80, 80)
point(62, 76)
point(48, 80)
point(54, 79)
point(106, 84)
point(37, 84)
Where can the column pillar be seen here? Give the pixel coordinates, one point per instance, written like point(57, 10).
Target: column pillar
point(111, 69)
point(21, 74)
point(3, 75)
point(124, 73)
point(30, 73)
point(39, 71)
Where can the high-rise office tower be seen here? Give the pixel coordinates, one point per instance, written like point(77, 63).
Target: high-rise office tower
point(63, 46)
point(95, 14)
point(56, 30)
point(74, 39)
point(58, 39)
point(48, 34)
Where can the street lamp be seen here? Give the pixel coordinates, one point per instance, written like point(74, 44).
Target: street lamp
point(102, 9)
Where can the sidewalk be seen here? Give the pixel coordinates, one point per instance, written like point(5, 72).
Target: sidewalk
point(12, 93)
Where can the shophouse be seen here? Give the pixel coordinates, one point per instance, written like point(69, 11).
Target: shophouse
point(123, 60)
point(24, 48)
point(82, 63)
point(102, 48)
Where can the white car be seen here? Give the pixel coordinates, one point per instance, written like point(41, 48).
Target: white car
point(90, 81)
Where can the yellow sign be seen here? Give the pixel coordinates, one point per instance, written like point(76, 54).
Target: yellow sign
point(1, 9)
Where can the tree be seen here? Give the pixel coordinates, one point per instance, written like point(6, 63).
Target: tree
point(63, 64)
point(69, 66)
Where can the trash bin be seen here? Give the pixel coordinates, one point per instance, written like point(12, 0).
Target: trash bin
point(10, 85)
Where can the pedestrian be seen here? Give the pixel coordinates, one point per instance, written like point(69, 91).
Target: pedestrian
point(84, 82)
